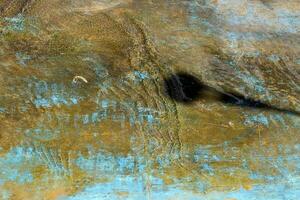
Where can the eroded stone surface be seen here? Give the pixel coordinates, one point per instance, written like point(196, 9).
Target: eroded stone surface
point(118, 134)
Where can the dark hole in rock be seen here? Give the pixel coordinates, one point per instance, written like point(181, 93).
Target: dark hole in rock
point(183, 87)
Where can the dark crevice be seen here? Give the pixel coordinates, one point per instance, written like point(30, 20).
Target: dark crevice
point(183, 87)
point(186, 88)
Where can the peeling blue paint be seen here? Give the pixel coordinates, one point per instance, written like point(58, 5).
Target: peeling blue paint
point(133, 188)
point(12, 166)
point(130, 112)
point(270, 192)
point(41, 102)
point(207, 168)
point(141, 75)
point(48, 95)
point(107, 164)
point(104, 103)
point(259, 119)
point(54, 100)
point(268, 119)
point(253, 82)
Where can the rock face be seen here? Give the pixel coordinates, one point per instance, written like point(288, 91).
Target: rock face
point(245, 47)
point(107, 96)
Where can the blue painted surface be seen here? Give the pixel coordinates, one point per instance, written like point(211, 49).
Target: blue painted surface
point(53, 94)
point(141, 75)
point(133, 189)
point(13, 166)
point(253, 82)
point(259, 119)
